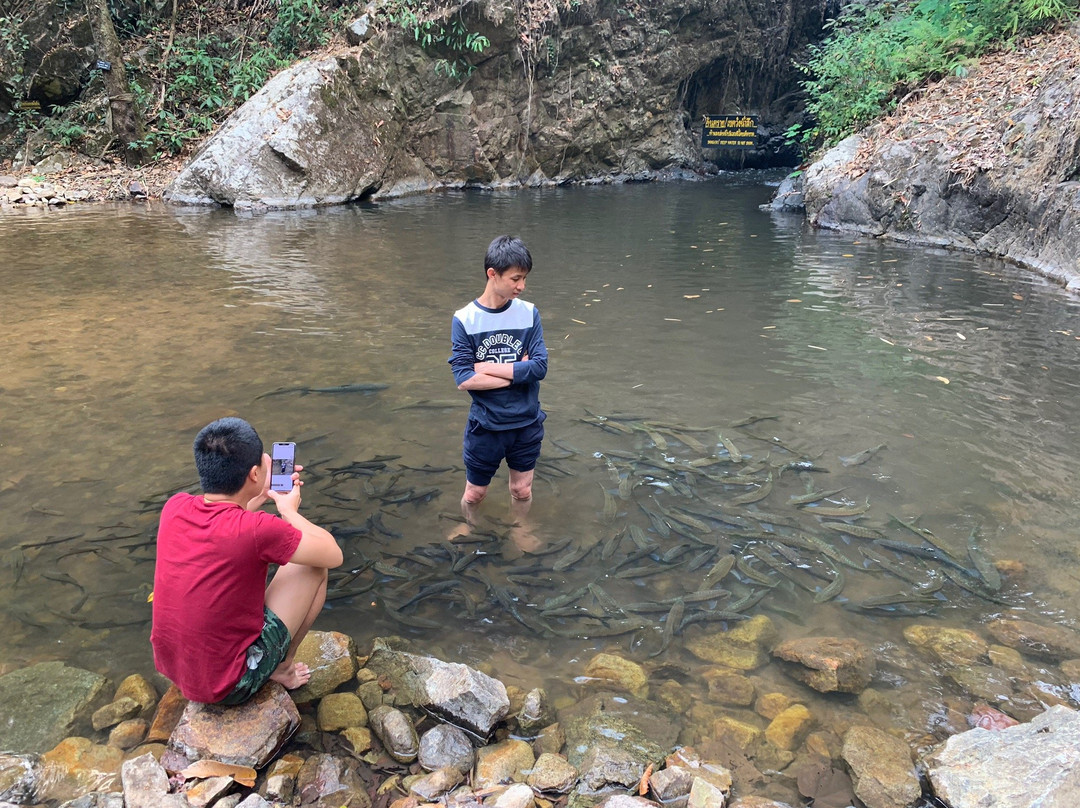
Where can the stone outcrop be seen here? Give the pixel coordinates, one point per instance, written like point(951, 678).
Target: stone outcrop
point(589, 93)
point(1027, 764)
point(43, 704)
point(988, 163)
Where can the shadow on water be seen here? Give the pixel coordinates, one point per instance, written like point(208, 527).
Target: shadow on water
point(712, 367)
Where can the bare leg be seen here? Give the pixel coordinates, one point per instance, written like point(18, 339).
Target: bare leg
point(470, 501)
point(296, 594)
point(520, 502)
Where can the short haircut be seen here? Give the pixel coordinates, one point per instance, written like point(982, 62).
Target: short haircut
point(225, 452)
point(506, 252)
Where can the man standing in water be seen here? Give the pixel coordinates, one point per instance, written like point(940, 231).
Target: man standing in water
point(499, 357)
point(219, 631)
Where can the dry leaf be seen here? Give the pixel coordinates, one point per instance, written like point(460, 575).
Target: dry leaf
point(793, 300)
point(691, 297)
point(942, 379)
point(643, 784)
point(1018, 297)
point(244, 775)
point(961, 336)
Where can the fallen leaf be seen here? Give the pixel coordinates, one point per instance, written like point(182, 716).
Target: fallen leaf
point(793, 300)
point(942, 379)
point(961, 336)
point(244, 775)
point(691, 297)
point(643, 784)
point(1018, 297)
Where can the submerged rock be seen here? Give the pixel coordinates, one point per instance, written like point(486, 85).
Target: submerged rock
point(396, 733)
point(325, 781)
point(45, 703)
point(1027, 764)
point(1053, 643)
point(828, 664)
point(881, 768)
point(743, 647)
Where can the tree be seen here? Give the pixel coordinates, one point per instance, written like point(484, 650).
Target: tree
point(125, 123)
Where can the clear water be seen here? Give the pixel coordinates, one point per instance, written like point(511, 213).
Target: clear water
point(127, 328)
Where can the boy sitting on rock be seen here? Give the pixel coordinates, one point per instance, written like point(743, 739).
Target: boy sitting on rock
point(219, 631)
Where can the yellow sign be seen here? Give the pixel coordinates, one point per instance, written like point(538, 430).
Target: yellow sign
point(729, 132)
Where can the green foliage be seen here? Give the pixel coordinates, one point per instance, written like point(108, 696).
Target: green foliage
point(445, 36)
point(300, 25)
point(876, 53)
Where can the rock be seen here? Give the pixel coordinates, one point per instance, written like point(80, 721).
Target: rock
point(550, 740)
point(758, 802)
point(454, 692)
point(642, 732)
point(743, 647)
point(518, 795)
point(331, 656)
point(326, 782)
point(552, 773)
point(129, 734)
point(535, 713)
point(435, 784)
point(252, 801)
point(337, 711)
point(790, 728)
point(52, 164)
point(1033, 764)
point(770, 705)
point(138, 688)
point(98, 799)
point(789, 196)
point(445, 746)
point(146, 785)
point(881, 768)
point(310, 136)
point(504, 762)
point(137, 190)
point(246, 735)
point(19, 778)
point(609, 671)
point(704, 794)
point(396, 733)
point(7, 181)
point(729, 687)
point(1054, 643)
point(112, 714)
point(674, 696)
point(828, 664)
point(607, 769)
point(955, 646)
point(982, 682)
point(371, 693)
point(280, 784)
point(625, 801)
point(671, 785)
point(167, 715)
point(688, 758)
point(739, 734)
point(203, 792)
point(76, 766)
point(359, 30)
point(45, 703)
point(359, 738)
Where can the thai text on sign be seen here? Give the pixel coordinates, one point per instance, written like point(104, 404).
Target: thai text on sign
point(729, 132)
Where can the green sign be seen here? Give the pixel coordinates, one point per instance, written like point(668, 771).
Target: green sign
point(729, 132)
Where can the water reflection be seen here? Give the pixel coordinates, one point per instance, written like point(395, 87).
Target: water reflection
point(128, 328)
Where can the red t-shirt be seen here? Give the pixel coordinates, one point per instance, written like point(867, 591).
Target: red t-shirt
point(209, 590)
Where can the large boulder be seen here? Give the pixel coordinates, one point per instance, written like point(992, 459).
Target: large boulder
point(45, 703)
point(456, 693)
point(1028, 764)
point(313, 135)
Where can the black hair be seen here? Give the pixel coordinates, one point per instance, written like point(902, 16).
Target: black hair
point(506, 252)
point(225, 452)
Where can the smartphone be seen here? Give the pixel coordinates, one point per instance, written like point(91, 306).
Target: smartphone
point(282, 461)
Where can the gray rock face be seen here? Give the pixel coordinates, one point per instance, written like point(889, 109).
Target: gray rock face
point(1003, 181)
point(326, 781)
point(312, 136)
point(396, 733)
point(444, 746)
point(45, 703)
point(146, 785)
point(452, 691)
point(602, 100)
point(1033, 764)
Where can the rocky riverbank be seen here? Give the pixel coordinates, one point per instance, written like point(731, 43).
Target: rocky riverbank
point(65, 178)
point(988, 163)
point(397, 729)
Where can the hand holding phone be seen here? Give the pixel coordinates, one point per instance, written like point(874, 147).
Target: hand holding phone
point(282, 465)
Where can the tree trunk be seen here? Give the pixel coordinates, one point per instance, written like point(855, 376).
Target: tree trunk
point(126, 124)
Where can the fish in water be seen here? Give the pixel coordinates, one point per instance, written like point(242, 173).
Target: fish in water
point(364, 388)
point(859, 458)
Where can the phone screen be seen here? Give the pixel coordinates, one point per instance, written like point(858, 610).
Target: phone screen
point(282, 460)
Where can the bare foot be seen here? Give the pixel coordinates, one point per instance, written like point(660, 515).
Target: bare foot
point(525, 540)
point(291, 676)
point(459, 530)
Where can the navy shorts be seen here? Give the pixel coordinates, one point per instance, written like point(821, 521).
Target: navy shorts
point(484, 449)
